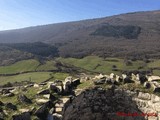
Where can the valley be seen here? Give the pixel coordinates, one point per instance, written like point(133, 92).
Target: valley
point(33, 70)
point(88, 69)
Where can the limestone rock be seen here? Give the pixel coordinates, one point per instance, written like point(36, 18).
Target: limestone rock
point(8, 94)
point(54, 88)
point(57, 116)
point(144, 96)
point(41, 101)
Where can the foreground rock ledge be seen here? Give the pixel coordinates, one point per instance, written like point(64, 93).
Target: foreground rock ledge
point(100, 104)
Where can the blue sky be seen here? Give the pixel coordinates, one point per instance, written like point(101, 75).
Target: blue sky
point(23, 13)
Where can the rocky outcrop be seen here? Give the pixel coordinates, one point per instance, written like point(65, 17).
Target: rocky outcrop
point(100, 104)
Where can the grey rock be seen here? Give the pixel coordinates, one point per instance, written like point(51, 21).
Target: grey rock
point(22, 116)
point(43, 92)
point(147, 85)
point(76, 82)
point(8, 94)
point(42, 112)
point(11, 106)
point(54, 88)
point(57, 116)
point(23, 99)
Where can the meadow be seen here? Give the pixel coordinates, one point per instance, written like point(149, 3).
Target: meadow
point(89, 63)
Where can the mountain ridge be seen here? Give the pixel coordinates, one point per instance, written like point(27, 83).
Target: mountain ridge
point(131, 34)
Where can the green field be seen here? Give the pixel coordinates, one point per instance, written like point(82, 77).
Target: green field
point(90, 63)
point(154, 63)
point(27, 65)
point(34, 77)
point(48, 65)
point(21, 66)
point(97, 64)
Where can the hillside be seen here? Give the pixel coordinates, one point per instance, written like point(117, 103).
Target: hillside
point(133, 34)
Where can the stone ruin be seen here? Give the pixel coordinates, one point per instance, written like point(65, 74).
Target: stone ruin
point(91, 104)
point(147, 81)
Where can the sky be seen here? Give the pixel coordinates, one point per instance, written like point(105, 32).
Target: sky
point(24, 13)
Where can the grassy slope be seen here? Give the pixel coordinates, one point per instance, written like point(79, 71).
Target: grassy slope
point(21, 66)
point(34, 77)
point(154, 64)
point(104, 65)
point(27, 65)
point(48, 65)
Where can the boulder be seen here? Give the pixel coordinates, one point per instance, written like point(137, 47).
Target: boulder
point(52, 110)
point(112, 76)
point(11, 106)
point(43, 92)
point(127, 80)
point(99, 76)
point(57, 116)
point(147, 85)
point(41, 101)
point(68, 79)
point(58, 82)
point(76, 82)
point(134, 77)
point(100, 81)
point(22, 116)
point(108, 81)
point(157, 89)
point(142, 79)
point(153, 78)
point(42, 112)
point(5, 91)
point(68, 87)
point(54, 88)
point(46, 96)
point(156, 86)
point(61, 88)
point(36, 85)
point(155, 98)
point(52, 97)
point(23, 99)
point(24, 110)
point(9, 95)
point(58, 109)
point(144, 96)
